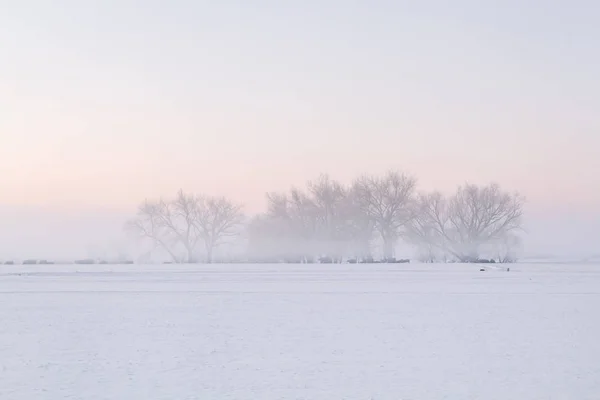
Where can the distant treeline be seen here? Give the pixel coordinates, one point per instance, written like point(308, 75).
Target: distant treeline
point(336, 222)
point(330, 222)
point(322, 260)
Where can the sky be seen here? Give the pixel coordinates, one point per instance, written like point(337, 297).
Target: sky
point(104, 104)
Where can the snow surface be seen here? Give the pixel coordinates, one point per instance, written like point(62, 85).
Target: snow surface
point(299, 332)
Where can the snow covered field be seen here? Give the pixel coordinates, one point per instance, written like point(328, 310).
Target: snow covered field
point(299, 332)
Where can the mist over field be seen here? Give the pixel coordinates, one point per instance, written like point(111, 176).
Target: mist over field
point(55, 233)
point(103, 107)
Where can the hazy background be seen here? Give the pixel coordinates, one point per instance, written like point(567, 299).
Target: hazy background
point(105, 103)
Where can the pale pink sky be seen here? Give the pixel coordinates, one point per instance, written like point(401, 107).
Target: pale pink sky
point(105, 105)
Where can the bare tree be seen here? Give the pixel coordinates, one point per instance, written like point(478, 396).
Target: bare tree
point(389, 202)
point(217, 219)
point(481, 214)
point(296, 217)
point(328, 198)
point(270, 234)
point(333, 221)
point(358, 227)
point(305, 225)
point(427, 230)
point(184, 222)
point(303, 213)
point(181, 217)
point(319, 221)
point(462, 224)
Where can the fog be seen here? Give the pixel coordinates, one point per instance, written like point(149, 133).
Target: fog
point(51, 233)
point(102, 107)
point(54, 234)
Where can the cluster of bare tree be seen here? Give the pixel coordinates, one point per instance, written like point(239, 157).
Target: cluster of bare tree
point(181, 225)
point(333, 221)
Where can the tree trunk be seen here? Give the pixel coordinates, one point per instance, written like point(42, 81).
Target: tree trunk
point(173, 256)
point(209, 251)
point(190, 255)
point(388, 247)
